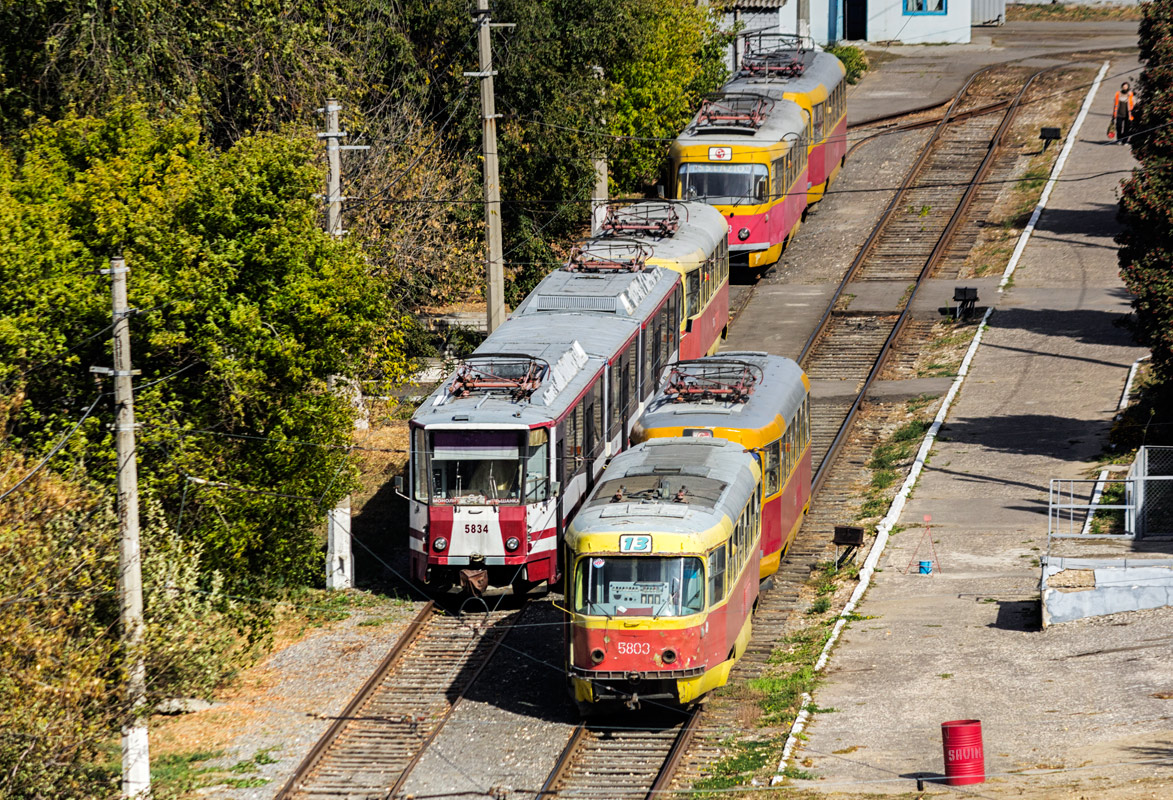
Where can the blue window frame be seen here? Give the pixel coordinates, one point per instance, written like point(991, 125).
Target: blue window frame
point(917, 7)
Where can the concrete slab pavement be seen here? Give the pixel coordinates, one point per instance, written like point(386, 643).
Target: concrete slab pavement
point(965, 643)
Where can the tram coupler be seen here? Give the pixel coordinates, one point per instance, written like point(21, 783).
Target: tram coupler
point(474, 581)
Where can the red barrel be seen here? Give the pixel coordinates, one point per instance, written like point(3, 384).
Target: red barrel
point(964, 761)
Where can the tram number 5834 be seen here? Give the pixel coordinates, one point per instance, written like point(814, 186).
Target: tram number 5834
point(635, 543)
point(475, 527)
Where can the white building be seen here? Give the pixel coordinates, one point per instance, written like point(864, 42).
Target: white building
point(829, 21)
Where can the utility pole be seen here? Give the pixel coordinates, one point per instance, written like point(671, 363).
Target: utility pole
point(494, 268)
point(334, 149)
point(334, 175)
point(600, 194)
point(339, 557)
point(136, 761)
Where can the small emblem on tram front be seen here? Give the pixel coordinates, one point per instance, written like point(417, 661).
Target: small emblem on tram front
point(720, 154)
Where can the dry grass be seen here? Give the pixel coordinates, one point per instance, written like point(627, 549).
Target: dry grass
point(1054, 99)
point(1070, 12)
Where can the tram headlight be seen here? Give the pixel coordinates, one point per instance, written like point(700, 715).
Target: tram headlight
point(512, 543)
point(668, 656)
point(597, 655)
point(743, 234)
point(440, 544)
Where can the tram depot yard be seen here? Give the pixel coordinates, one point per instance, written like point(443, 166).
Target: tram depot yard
point(1082, 709)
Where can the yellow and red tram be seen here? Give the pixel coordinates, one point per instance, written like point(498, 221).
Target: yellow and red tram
point(778, 66)
point(662, 572)
point(759, 401)
point(746, 155)
point(691, 240)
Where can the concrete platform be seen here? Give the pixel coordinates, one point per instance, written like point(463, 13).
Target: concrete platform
point(780, 318)
point(1077, 710)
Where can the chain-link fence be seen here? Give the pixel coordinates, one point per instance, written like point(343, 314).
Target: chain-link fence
point(1152, 487)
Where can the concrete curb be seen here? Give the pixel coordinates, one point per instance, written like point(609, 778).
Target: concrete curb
point(884, 528)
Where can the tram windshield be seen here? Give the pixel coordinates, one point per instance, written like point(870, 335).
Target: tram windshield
point(618, 586)
point(723, 184)
point(488, 467)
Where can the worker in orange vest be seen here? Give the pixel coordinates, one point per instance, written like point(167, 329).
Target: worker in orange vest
point(1122, 106)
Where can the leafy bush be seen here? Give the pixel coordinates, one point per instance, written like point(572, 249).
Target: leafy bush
point(61, 695)
point(1146, 200)
point(854, 59)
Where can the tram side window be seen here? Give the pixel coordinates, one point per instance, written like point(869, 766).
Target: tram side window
point(804, 415)
point(722, 261)
point(779, 167)
point(788, 448)
point(663, 337)
point(818, 121)
point(649, 357)
point(677, 316)
point(693, 305)
point(574, 454)
point(633, 394)
point(613, 411)
point(537, 466)
point(717, 576)
point(419, 465)
point(596, 428)
point(771, 468)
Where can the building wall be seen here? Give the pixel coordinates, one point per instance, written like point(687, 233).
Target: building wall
point(826, 21)
point(888, 21)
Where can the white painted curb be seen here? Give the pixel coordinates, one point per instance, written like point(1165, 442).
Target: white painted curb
point(884, 528)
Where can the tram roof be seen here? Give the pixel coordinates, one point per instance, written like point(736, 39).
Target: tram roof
point(614, 293)
point(574, 346)
point(724, 476)
point(778, 393)
point(702, 229)
point(785, 122)
point(819, 69)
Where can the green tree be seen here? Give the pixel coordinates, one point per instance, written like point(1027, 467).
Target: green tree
point(246, 312)
point(658, 58)
point(1146, 201)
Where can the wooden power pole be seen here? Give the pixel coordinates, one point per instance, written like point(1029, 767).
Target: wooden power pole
point(136, 760)
point(494, 267)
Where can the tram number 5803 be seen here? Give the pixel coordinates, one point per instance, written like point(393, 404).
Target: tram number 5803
point(635, 543)
point(634, 648)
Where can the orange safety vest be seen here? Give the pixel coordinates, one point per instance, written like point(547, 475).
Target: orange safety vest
point(1116, 104)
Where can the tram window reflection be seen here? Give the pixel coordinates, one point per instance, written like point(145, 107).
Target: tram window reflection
point(621, 586)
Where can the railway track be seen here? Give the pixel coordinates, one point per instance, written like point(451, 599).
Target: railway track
point(912, 236)
point(370, 749)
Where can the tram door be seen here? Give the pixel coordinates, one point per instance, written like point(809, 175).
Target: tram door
point(855, 20)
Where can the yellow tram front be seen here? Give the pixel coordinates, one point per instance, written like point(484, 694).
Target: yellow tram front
point(663, 573)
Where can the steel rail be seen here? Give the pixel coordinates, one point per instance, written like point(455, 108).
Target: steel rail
point(576, 771)
point(930, 263)
point(563, 762)
point(885, 217)
point(302, 780)
point(314, 757)
point(664, 780)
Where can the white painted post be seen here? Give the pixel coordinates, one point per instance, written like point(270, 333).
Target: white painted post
point(339, 562)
